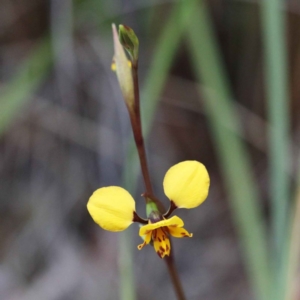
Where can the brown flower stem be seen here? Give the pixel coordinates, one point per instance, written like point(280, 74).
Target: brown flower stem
point(135, 118)
point(174, 277)
point(172, 207)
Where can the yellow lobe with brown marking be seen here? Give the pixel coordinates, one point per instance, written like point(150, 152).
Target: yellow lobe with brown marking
point(159, 233)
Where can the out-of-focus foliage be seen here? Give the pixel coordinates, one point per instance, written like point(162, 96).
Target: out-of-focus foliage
point(65, 132)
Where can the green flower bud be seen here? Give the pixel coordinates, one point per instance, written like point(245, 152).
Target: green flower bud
point(129, 41)
point(123, 70)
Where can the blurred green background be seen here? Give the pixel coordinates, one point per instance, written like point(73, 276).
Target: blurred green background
point(219, 84)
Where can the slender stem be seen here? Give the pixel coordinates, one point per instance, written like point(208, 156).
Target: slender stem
point(135, 118)
point(137, 218)
point(174, 276)
point(171, 209)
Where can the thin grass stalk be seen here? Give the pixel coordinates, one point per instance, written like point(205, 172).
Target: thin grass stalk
point(294, 255)
point(125, 259)
point(273, 25)
point(163, 57)
point(30, 75)
point(294, 250)
point(234, 160)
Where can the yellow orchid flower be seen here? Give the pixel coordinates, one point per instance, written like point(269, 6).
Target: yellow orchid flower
point(186, 184)
point(159, 232)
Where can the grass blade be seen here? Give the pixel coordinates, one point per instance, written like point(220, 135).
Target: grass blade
point(235, 163)
point(18, 91)
point(273, 19)
point(294, 250)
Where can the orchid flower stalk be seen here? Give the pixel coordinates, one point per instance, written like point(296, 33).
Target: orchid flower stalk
point(186, 184)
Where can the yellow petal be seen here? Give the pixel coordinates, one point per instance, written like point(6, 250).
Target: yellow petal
point(112, 208)
point(161, 242)
point(187, 184)
point(179, 232)
point(146, 240)
point(174, 221)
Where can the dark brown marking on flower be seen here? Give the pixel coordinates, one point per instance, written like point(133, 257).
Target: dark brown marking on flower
point(167, 248)
point(183, 234)
point(159, 239)
point(162, 249)
point(163, 237)
point(159, 254)
point(154, 233)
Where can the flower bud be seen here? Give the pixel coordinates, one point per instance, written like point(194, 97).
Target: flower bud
point(123, 70)
point(129, 41)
